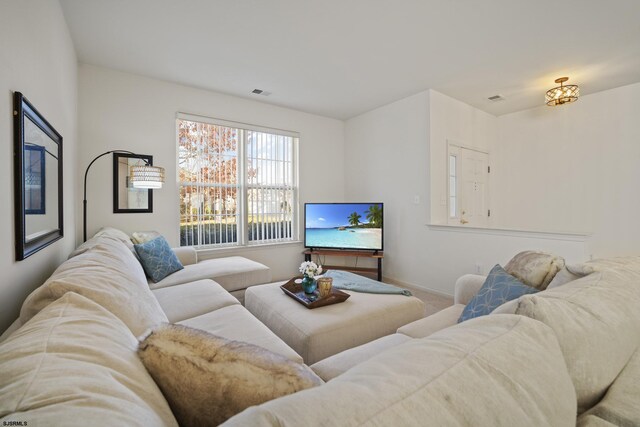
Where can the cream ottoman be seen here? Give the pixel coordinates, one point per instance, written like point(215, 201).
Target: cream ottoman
point(322, 332)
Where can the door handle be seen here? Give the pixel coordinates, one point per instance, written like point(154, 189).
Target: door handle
point(462, 220)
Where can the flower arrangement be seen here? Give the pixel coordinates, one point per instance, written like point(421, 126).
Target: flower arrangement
point(310, 269)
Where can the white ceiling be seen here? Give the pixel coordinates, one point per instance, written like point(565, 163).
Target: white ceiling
point(340, 58)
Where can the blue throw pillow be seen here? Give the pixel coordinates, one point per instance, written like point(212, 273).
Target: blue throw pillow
point(499, 288)
point(157, 258)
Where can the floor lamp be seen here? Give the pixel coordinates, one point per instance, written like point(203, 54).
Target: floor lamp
point(141, 176)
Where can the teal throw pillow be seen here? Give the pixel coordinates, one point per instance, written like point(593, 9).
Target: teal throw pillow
point(157, 258)
point(499, 288)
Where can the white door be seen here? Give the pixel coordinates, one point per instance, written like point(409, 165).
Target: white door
point(471, 186)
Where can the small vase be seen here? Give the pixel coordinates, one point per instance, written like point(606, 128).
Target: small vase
point(309, 284)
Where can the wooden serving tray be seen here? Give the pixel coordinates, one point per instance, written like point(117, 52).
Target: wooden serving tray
point(294, 290)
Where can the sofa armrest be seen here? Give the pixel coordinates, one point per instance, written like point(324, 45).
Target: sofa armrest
point(186, 254)
point(434, 323)
point(467, 287)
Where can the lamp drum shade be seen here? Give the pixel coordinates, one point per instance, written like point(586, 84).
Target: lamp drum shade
point(144, 176)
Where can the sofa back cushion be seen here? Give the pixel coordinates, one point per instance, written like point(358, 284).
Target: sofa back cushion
point(500, 370)
point(108, 274)
point(74, 363)
point(596, 319)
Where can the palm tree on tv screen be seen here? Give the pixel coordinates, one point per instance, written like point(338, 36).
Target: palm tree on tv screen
point(374, 215)
point(354, 219)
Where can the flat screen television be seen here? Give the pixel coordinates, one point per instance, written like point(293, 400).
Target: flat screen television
point(343, 226)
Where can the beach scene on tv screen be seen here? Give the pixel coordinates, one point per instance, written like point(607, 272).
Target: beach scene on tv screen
point(344, 225)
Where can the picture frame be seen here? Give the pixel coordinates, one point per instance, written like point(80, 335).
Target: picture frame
point(126, 198)
point(38, 186)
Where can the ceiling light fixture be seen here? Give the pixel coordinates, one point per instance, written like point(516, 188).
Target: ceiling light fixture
point(562, 94)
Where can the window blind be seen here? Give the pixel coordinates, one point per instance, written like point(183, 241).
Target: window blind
point(238, 183)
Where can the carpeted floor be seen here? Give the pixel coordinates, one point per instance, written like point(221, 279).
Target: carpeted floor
point(433, 302)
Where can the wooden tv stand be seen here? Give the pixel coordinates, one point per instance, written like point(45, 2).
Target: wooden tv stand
point(334, 252)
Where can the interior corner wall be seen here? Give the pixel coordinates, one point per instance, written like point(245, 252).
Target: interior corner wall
point(37, 58)
point(125, 111)
point(387, 158)
point(458, 123)
point(573, 168)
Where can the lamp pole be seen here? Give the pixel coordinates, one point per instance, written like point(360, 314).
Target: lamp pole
point(84, 200)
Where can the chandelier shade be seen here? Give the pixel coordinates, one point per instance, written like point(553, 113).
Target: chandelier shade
point(562, 94)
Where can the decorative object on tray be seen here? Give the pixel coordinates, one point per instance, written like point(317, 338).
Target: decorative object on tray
point(324, 286)
point(310, 270)
point(293, 289)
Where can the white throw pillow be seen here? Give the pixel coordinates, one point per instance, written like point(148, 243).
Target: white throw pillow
point(570, 273)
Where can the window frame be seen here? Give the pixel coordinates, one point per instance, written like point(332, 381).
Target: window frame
point(453, 151)
point(243, 186)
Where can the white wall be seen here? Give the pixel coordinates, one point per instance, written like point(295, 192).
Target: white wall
point(386, 154)
point(573, 168)
point(37, 58)
point(387, 158)
point(452, 121)
point(125, 111)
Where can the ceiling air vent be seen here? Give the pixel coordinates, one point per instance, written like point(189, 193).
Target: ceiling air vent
point(261, 92)
point(496, 98)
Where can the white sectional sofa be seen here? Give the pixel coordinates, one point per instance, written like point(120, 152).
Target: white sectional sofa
point(235, 273)
point(567, 356)
point(564, 356)
point(73, 356)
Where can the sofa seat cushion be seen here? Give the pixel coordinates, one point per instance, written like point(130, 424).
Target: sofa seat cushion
point(338, 364)
point(108, 274)
point(74, 363)
point(428, 325)
point(192, 299)
point(232, 273)
point(621, 405)
point(501, 370)
point(596, 319)
point(594, 421)
point(236, 323)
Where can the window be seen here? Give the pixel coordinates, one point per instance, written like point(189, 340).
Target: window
point(238, 183)
point(452, 186)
